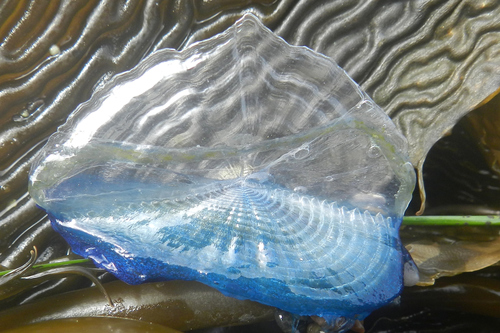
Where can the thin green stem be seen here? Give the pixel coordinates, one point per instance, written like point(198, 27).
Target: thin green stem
point(473, 220)
point(55, 264)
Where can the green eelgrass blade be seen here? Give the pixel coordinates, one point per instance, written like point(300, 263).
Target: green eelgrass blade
point(55, 264)
point(473, 220)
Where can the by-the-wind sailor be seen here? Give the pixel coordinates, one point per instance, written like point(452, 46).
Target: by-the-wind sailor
point(242, 162)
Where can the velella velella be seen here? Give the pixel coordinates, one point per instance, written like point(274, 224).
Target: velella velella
point(245, 163)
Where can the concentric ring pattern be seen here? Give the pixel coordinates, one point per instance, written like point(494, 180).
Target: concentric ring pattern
point(253, 166)
point(249, 240)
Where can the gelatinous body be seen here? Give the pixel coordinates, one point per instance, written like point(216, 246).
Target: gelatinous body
point(242, 162)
